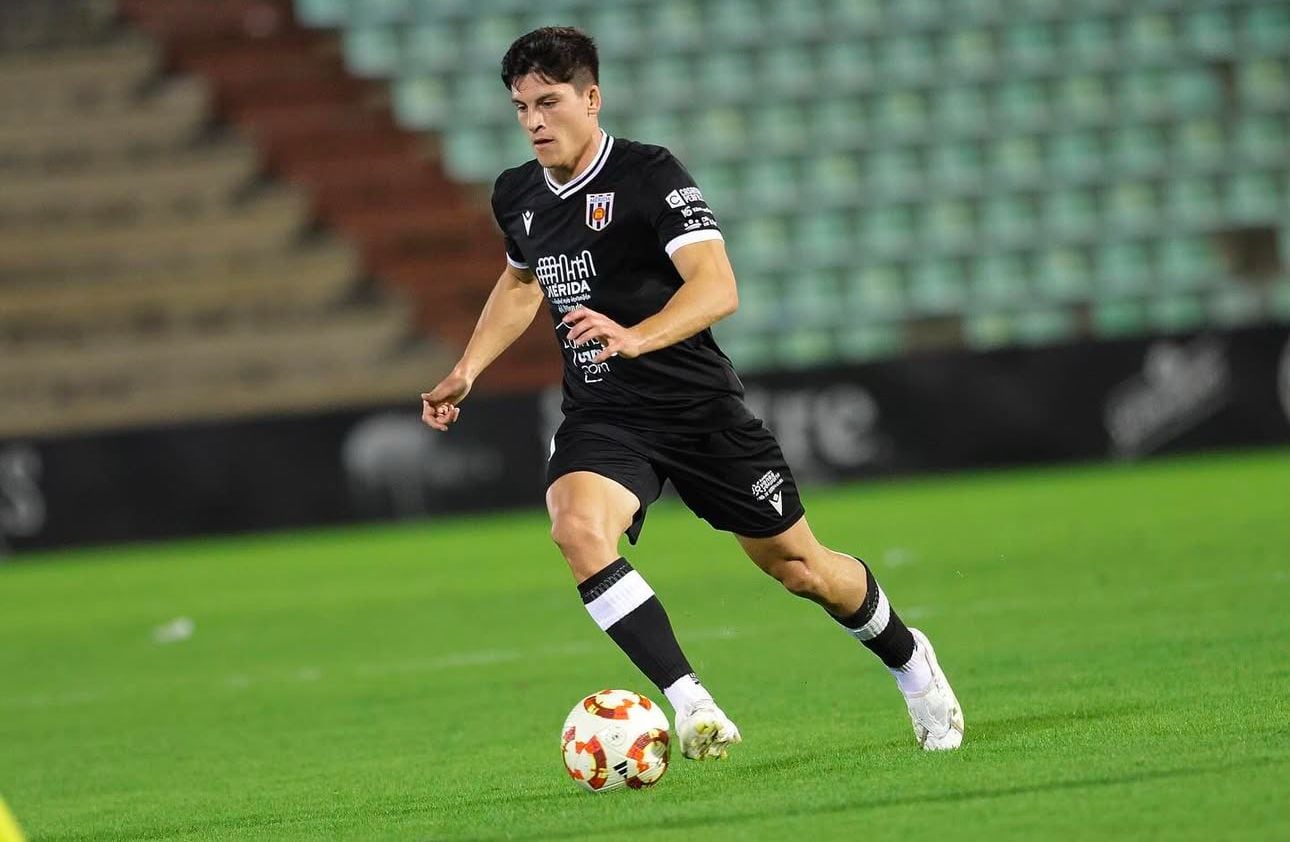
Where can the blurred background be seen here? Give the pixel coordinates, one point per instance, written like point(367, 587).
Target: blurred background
point(239, 237)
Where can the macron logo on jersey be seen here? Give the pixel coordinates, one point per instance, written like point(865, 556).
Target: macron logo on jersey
point(528, 220)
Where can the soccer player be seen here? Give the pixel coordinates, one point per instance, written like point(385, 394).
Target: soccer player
point(617, 238)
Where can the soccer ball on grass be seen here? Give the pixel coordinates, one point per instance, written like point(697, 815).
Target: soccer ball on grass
point(615, 738)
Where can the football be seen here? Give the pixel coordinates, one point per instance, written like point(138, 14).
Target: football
point(615, 738)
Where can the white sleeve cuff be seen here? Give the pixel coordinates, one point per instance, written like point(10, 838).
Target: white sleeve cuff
point(515, 263)
point(692, 237)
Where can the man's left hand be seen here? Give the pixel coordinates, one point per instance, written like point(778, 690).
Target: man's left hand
point(586, 325)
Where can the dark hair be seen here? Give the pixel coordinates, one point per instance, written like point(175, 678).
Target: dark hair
point(555, 53)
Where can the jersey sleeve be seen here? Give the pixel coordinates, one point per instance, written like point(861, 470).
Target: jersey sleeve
point(679, 213)
point(514, 256)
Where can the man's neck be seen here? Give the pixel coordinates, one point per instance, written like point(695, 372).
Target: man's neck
point(563, 175)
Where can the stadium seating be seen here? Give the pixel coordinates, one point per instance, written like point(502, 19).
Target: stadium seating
point(150, 273)
point(1038, 170)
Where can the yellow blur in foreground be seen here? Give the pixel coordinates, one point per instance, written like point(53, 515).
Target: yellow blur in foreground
point(9, 830)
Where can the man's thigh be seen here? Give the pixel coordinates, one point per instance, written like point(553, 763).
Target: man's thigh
point(612, 453)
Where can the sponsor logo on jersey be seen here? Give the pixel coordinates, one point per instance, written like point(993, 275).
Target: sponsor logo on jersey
point(600, 210)
point(528, 220)
point(768, 489)
point(564, 277)
point(683, 196)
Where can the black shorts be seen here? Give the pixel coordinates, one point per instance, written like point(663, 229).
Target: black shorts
point(735, 479)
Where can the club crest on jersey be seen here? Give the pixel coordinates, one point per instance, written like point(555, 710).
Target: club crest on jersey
point(600, 210)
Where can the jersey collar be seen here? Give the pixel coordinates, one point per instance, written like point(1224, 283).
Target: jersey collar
point(573, 185)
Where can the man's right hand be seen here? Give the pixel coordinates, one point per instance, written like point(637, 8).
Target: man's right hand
point(439, 405)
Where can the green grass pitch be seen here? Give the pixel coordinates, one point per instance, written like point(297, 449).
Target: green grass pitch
point(1118, 635)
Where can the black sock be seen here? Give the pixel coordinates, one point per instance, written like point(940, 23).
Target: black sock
point(878, 627)
point(625, 607)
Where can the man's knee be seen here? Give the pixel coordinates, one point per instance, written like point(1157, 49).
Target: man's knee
point(797, 577)
point(578, 535)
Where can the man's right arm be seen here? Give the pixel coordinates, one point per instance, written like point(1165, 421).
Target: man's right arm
point(509, 311)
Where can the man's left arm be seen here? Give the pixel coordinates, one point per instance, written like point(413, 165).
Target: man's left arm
point(707, 295)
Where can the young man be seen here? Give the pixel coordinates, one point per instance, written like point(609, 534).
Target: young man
point(619, 241)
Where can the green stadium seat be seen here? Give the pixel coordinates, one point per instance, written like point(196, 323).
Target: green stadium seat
point(749, 352)
point(730, 23)
point(956, 167)
point(1085, 99)
point(376, 12)
point(1130, 206)
point(1237, 304)
point(431, 48)
point(823, 239)
point(800, 349)
point(778, 127)
point(914, 15)
point(1176, 313)
point(1089, 43)
point(760, 304)
point(472, 154)
point(853, 17)
point(675, 27)
point(811, 300)
point(763, 242)
point(950, 224)
point(838, 125)
point(1070, 214)
point(1135, 150)
point(1253, 197)
point(1149, 35)
point(1264, 84)
point(1021, 106)
point(1008, 219)
point(420, 102)
point(486, 38)
point(1262, 139)
point(667, 83)
point(1064, 274)
point(907, 59)
point(937, 287)
point(985, 331)
point(1076, 157)
point(1265, 27)
point(902, 114)
point(1145, 94)
point(1117, 319)
point(771, 184)
point(723, 186)
point(724, 132)
point(617, 29)
point(728, 77)
point(442, 11)
point(848, 66)
point(875, 291)
point(1016, 160)
point(1195, 90)
point(969, 54)
point(787, 72)
point(1192, 202)
point(798, 22)
point(1000, 280)
point(1124, 269)
point(887, 231)
point(973, 13)
point(869, 341)
point(1189, 261)
point(372, 51)
point(1209, 32)
point(895, 173)
point(322, 13)
point(1044, 327)
point(1030, 46)
point(833, 179)
point(961, 110)
point(1279, 299)
point(1199, 144)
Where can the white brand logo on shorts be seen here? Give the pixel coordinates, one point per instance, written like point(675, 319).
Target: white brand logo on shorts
point(767, 488)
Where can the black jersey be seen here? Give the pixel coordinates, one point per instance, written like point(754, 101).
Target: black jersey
point(604, 240)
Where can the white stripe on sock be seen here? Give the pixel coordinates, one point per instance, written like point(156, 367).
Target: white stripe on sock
point(878, 622)
point(622, 598)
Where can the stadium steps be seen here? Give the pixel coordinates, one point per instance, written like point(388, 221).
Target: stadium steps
point(188, 185)
point(298, 282)
point(83, 79)
point(332, 133)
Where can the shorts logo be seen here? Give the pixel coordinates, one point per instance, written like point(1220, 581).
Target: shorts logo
point(600, 210)
point(768, 489)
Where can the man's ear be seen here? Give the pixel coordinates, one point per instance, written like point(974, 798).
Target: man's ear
point(593, 100)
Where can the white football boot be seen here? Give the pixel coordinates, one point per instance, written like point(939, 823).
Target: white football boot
point(935, 712)
point(705, 731)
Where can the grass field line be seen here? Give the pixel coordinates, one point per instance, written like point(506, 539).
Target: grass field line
point(243, 681)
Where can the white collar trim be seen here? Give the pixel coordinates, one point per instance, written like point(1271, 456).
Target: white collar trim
point(573, 185)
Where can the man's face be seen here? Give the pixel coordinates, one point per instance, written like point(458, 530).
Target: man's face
point(559, 119)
